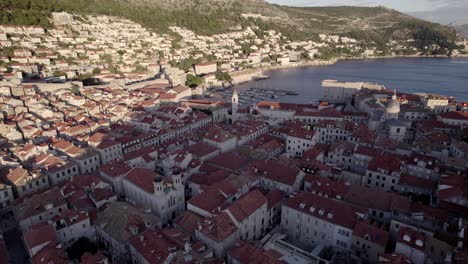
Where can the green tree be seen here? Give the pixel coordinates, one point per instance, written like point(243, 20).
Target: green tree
point(58, 73)
point(75, 89)
point(223, 76)
point(81, 246)
point(140, 68)
point(96, 71)
point(193, 81)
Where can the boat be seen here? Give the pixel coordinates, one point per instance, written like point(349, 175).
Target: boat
point(260, 77)
point(291, 93)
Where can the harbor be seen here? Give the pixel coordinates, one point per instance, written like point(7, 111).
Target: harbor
point(251, 96)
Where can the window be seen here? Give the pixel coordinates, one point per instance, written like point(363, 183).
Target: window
point(343, 232)
point(341, 244)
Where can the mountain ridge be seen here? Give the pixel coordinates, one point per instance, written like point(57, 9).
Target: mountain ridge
point(207, 17)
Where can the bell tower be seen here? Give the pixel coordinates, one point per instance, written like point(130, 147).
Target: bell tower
point(235, 103)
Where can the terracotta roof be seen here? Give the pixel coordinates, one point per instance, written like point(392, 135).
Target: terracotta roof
point(37, 203)
point(323, 208)
point(219, 228)
point(115, 168)
point(201, 149)
point(97, 258)
point(209, 200)
point(455, 115)
point(376, 199)
point(188, 221)
point(139, 152)
point(371, 233)
point(412, 238)
point(153, 246)
point(414, 181)
point(229, 161)
point(143, 178)
point(247, 205)
point(325, 186)
point(246, 253)
point(274, 197)
point(123, 221)
point(218, 134)
point(50, 255)
point(40, 234)
point(275, 171)
point(386, 161)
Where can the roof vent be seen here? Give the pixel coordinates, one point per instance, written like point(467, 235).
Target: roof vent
point(407, 238)
point(321, 212)
point(312, 209)
point(302, 205)
point(330, 215)
point(366, 237)
point(419, 243)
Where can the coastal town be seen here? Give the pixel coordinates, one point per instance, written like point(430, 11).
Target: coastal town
point(120, 145)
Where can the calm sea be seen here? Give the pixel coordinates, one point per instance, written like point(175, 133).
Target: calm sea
point(443, 76)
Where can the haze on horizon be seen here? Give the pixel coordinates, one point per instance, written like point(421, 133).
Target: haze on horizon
point(401, 5)
point(440, 11)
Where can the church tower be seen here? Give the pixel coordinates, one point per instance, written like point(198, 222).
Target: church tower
point(235, 101)
point(393, 108)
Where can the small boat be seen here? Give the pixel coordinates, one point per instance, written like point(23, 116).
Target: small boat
point(291, 93)
point(260, 77)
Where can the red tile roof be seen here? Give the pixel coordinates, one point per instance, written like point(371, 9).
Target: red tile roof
point(325, 186)
point(371, 233)
point(274, 197)
point(455, 115)
point(218, 134)
point(247, 205)
point(376, 199)
point(209, 200)
point(97, 258)
point(229, 161)
point(115, 168)
point(40, 234)
point(201, 149)
point(188, 221)
point(412, 238)
point(219, 228)
point(35, 203)
point(153, 246)
point(139, 152)
point(50, 255)
point(275, 171)
point(323, 208)
point(386, 161)
point(417, 182)
point(246, 253)
point(143, 178)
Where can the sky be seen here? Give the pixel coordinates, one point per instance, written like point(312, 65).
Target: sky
point(401, 5)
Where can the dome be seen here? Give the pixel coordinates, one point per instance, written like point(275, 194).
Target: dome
point(158, 179)
point(393, 106)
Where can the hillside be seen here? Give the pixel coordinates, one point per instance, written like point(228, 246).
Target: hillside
point(462, 30)
point(208, 17)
